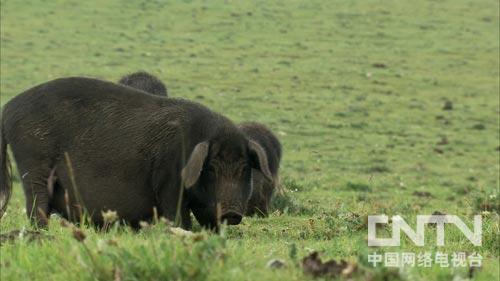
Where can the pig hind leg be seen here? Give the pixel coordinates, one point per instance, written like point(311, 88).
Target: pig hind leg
point(34, 178)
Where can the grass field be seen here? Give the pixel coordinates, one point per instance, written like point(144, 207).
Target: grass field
point(355, 90)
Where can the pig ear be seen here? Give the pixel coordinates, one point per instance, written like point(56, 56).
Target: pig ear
point(258, 159)
point(191, 172)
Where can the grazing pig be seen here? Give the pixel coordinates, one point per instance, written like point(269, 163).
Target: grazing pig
point(145, 82)
point(85, 144)
point(263, 187)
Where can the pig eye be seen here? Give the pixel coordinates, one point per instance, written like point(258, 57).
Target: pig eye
point(210, 174)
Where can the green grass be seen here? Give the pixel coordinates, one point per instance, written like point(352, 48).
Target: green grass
point(354, 89)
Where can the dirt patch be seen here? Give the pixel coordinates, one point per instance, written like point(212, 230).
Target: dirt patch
point(312, 265)
point(28, 235)
point(425, 194)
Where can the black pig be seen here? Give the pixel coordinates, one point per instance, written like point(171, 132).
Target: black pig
point(263, 187)
point(145, 82)
point(109, 147)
